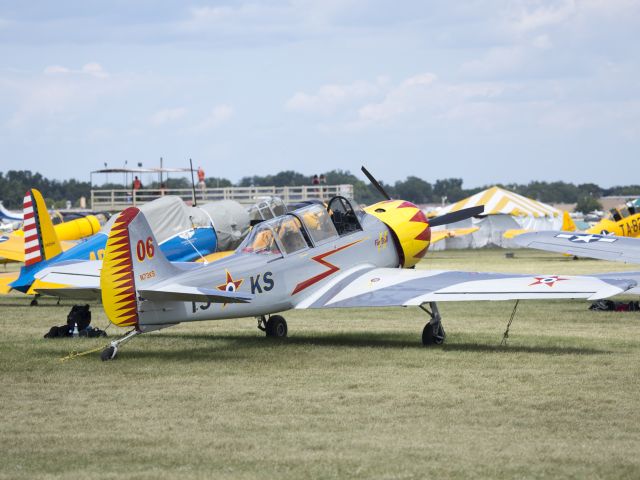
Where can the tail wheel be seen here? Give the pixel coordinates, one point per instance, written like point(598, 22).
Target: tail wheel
point(276, 327)
point(108, 353)
point(433, 334)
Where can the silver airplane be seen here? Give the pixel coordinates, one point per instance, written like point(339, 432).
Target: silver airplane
point(314, 257)
point(591, 245)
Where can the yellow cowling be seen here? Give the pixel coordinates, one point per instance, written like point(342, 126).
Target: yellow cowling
point(78, 228)
point(409, 226)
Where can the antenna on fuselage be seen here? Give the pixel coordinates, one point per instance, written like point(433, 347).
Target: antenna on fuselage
point(193, 184)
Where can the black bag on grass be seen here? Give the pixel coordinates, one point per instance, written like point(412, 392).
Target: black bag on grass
point(79, 315)
point(55, 332)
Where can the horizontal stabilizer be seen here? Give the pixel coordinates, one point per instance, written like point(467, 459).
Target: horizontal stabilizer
point(70, 293)
point(183, 293)
point(6, 278)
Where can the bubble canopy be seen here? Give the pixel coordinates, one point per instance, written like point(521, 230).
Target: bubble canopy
point(287, 234)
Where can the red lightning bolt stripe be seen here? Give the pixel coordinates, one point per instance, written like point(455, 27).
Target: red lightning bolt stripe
point(321, 260)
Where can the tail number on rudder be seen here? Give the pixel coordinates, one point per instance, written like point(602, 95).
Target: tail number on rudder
point(145, 249)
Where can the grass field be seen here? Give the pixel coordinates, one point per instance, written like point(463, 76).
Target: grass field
point(350, 394)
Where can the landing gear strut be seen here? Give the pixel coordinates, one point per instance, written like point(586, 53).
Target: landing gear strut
point(275, 326)
point(111, 351)
point(433, 332)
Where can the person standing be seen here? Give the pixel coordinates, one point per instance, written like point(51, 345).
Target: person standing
point(201, 183)
point(322, 181)
point(137, 185)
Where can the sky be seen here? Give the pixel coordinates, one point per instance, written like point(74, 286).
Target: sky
point(484, 90)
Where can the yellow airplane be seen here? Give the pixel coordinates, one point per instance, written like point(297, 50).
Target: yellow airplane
point(12, 245)
point(622, 221)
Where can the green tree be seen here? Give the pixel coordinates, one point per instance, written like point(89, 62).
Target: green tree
point(363, 192)
point(215, 182)
point(450, 188)
point(414, 189)
point(587, 203)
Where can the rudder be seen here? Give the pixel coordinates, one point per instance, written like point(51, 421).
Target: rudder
point(567, 223)
point(40, 239)
point(132, 256)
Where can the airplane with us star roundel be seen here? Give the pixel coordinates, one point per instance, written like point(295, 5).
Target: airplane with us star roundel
point(338, 256)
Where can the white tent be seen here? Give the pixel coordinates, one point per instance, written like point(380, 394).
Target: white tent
point(504, 210)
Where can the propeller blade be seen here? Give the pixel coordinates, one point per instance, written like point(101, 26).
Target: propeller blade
point(454, 217)
point(375, 183)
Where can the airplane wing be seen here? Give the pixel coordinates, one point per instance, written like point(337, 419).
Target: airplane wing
point(437, 235)
point(5, 279)
point(386, 287)
point(603, 247)
point(86, 293)
point(514, 232)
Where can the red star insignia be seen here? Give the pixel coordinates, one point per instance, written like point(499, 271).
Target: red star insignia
point(231, 285)
point(549, 281)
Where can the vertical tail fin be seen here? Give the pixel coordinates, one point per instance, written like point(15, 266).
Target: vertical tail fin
point(567, 223)
point(132, 257)
point(40, 239)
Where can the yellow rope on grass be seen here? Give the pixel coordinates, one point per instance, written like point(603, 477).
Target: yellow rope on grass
point(74, 354)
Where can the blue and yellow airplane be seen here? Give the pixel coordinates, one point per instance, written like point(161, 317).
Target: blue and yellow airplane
point(184, 243)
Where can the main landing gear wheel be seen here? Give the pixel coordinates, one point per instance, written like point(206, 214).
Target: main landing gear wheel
point(276, 327)
point(433, 332)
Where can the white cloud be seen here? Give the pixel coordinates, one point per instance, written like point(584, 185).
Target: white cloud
point(543, 16)
point(496, 61)
point(167, 115)
point(59, 94)
point(244, 19)
point(331, 97)
point(218, 115)
point(56, 70)
point(422, 98)
point(93, 69)
point(398, 100)
point(542, 42)
point(433, 100)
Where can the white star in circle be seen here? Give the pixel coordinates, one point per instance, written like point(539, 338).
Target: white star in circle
point(585, 238)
